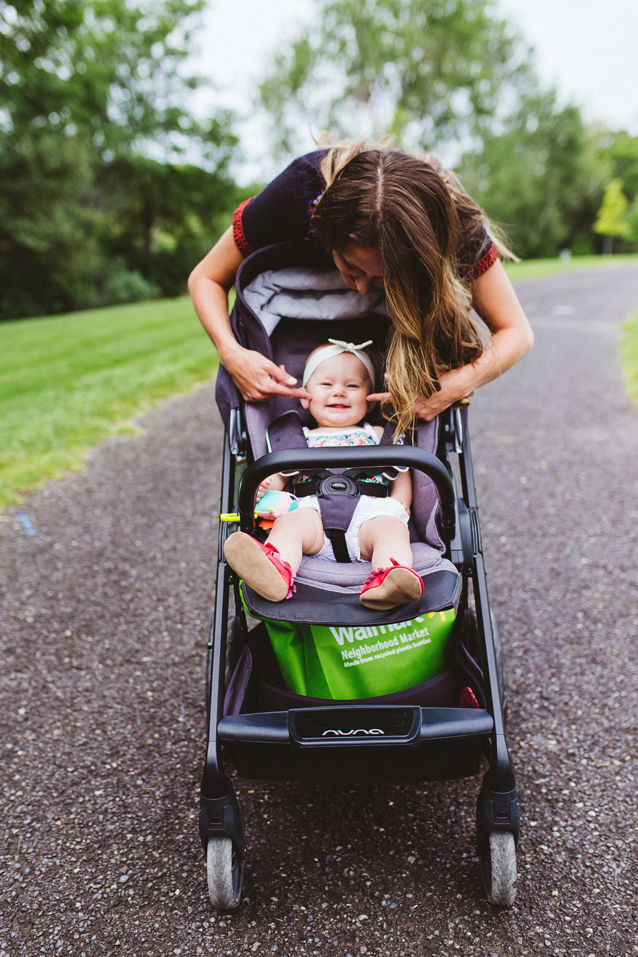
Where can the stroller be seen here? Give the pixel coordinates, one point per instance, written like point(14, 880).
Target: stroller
point(437, 730)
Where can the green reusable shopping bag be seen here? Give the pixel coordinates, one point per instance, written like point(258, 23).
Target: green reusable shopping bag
point(333, 661)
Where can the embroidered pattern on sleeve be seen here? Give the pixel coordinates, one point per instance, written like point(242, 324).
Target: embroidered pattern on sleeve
point(312, 205)
point(485, 262)
point(238, 230)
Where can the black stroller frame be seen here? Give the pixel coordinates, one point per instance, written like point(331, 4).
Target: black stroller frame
point(419, 743)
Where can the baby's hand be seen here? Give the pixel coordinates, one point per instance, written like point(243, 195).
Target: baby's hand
point(263, 488)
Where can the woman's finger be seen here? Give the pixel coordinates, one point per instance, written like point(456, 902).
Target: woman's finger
point(428, 409)
point(279, 373)
point(258, 379)
point(273, 388)
point(378, 397)
point(277, 389)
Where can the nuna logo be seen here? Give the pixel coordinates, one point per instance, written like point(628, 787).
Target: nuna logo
point(350, 734)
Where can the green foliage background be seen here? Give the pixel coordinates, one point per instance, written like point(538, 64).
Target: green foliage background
point(110, 190)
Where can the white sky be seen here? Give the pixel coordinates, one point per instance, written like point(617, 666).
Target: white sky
point(588, 48)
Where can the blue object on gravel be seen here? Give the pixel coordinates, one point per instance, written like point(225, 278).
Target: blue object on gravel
point(25, 521)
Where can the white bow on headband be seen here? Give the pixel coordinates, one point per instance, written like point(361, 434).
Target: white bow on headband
point(336, 349)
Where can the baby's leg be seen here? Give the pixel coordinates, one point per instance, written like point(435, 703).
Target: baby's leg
point(297, 533)
point(270, 569)
point(385, 537)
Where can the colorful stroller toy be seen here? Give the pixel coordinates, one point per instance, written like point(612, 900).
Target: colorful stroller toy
point(315, 719)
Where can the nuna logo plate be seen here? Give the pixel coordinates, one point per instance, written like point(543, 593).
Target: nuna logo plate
point(351, 733)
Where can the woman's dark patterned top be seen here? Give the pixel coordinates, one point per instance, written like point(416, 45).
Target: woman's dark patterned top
point(282, 213)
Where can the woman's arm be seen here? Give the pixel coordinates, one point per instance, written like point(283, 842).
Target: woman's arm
point(512, 338)
point(256, 377)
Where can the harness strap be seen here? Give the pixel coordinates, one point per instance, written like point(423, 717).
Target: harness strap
point(337, 538)
point(286, 432)
point(336, 512)
point(374, 489)
point(388, 434)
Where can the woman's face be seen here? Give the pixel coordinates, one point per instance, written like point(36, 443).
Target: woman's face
point(360, 266)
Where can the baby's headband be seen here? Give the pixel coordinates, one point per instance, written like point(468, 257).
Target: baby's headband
point(337, 347)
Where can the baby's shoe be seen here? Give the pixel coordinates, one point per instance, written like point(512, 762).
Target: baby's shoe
point(386, 588)
point(260, 566)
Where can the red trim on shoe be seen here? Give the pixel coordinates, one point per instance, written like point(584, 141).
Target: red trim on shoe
point(282, 566)
point(378, 576)
point(238, 230)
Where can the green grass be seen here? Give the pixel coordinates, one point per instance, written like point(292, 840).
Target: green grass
point(538, 268)
point(629, 356)
point(69, 382)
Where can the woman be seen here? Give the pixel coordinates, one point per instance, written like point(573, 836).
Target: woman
point(385, 217)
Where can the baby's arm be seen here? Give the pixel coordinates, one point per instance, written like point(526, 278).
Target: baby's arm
point(402, 490)
point(274, 483)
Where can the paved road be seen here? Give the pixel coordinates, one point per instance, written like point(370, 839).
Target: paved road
point(105, 614)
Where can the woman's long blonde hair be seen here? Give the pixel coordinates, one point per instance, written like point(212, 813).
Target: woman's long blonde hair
point(419, 217)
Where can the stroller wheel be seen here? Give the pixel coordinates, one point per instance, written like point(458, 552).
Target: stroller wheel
point(498, 868)
point(225, 869)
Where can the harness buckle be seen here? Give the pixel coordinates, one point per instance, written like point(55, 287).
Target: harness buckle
point(337, 485)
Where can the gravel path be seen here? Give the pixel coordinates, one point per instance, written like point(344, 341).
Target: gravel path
point(104, 617)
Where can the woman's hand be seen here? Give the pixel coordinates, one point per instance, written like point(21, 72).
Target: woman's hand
point(455, 385)
point(257, 378)
point(451, 391)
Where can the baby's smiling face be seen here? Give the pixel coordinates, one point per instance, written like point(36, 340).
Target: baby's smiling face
point(339, 387)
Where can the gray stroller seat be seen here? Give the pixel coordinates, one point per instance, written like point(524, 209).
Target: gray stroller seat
point(300, 308)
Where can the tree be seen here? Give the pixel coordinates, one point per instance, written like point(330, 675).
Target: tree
point(611, 215)
point(632, 225)
point(164, 217)
point(540, 176)
point(427, 71)
point(108, 69)
point(621, 152)
point(83, 84)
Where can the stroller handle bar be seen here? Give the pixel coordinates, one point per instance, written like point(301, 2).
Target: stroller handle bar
point(379, 456)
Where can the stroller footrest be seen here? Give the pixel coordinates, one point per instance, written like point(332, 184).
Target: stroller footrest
point(356, 724)
point(455, 723)
point(267, 727)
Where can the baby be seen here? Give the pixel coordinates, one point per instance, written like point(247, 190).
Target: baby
point(338, 377)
